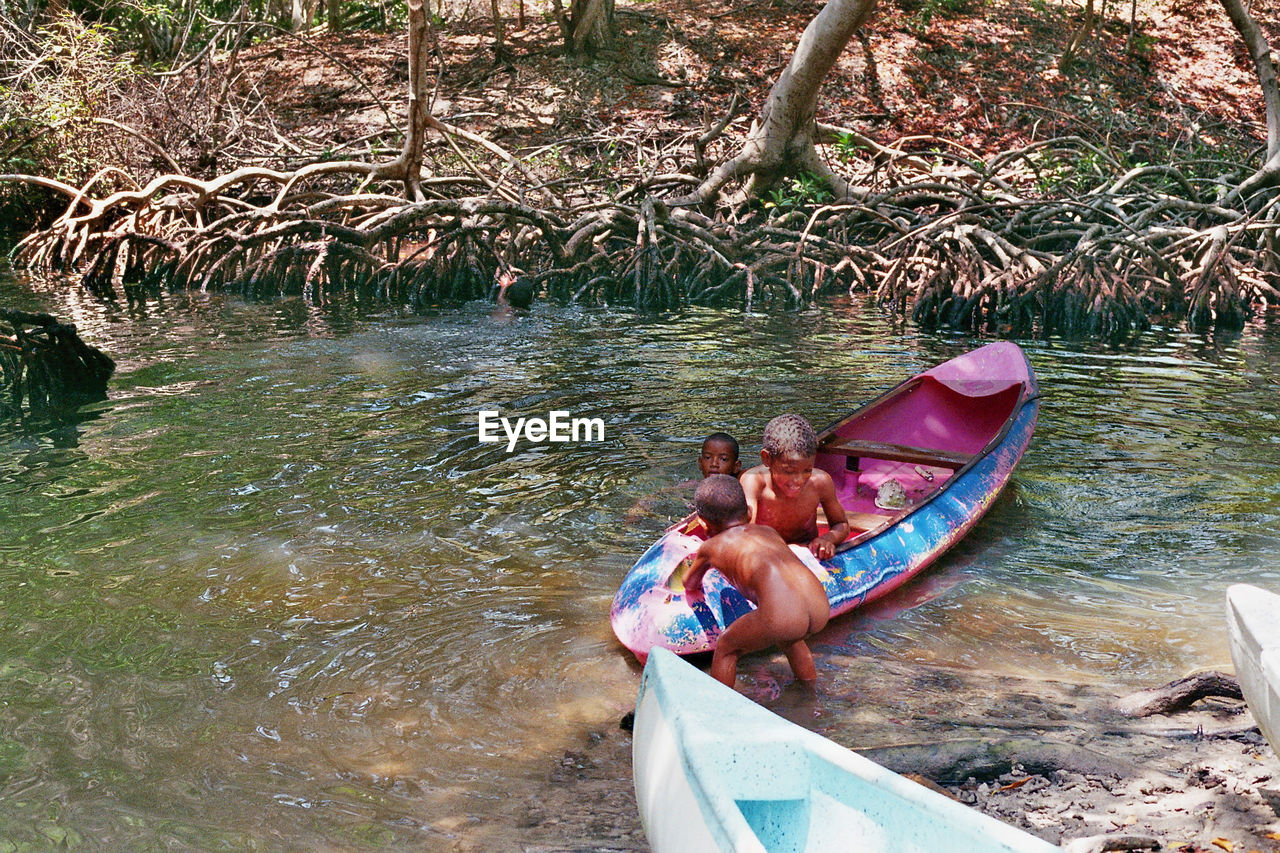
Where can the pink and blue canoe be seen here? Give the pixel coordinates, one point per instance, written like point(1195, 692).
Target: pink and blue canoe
point(950, 437)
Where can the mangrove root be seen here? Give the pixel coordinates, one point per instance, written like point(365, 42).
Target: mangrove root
point(971, 247)
point(1179, 695)
point(44, 366)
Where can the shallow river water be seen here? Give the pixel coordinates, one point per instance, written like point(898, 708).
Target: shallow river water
point(278, 595)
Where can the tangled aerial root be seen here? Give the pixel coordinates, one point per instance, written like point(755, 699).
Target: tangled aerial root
point(1147, 245)
point(970, 247)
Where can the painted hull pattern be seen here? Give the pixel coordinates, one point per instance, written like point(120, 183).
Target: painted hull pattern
point(1253, 620)
point(714, 771)
point(646, 612)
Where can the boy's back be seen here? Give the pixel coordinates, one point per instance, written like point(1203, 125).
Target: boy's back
point(754, 559)
point(790, 601)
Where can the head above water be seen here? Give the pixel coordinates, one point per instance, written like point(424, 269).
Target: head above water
point(518, 292)
point(720, 501)
point(719, 455)
point(789, 435)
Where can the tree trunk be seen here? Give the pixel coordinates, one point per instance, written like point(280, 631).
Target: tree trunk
point(782, 140)
point(591, 23)
point(1260, 50)
point(499, 35)
point(562, 21)
point(300, 15)
point(420, 43)
point(1265, 69)
point(1077, 39)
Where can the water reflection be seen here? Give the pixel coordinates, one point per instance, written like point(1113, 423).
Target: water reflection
point(280, 595)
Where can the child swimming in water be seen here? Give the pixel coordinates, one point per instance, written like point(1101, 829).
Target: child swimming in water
point(719, 455)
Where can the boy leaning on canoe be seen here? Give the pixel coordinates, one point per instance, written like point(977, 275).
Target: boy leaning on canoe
point(786, 491)
point(790, 601)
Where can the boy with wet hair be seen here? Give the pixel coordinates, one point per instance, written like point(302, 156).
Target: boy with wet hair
point(719, 455)
point(786, 491)
point(791, 603)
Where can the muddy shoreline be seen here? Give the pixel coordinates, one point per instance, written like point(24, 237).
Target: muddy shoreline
point(1054, 758)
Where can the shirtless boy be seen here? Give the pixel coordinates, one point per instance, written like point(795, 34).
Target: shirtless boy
point(786, 491)
point(790, 601)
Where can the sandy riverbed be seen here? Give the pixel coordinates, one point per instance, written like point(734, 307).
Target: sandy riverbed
point(1054, 758)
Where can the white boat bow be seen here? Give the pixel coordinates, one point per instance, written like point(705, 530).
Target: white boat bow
point(716, 772)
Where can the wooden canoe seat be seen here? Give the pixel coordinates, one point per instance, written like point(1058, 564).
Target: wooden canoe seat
point(861, 522)
point(896, 453)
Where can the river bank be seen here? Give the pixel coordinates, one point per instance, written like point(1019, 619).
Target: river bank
point(1051, 757)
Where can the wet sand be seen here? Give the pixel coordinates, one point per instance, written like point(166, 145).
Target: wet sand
point(1054, 758)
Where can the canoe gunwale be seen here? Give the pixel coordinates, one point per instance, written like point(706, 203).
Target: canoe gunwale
point(990, 447)
point(727, 749)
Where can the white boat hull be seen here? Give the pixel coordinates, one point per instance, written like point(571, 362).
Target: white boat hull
point(716, 772)
point(1253, 617)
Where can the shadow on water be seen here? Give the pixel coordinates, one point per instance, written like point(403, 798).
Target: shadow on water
point(39, 450)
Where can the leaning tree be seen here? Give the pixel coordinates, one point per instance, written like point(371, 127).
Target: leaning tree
point(1264, 65)
point(783, 139)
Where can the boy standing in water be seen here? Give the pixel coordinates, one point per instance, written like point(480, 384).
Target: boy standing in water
point(790, 601)
point(786, 491)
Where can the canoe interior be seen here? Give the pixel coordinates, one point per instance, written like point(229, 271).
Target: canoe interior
point(894, 438)
point(923, 415)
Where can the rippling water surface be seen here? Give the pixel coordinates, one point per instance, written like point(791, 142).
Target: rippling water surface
point(276, 594)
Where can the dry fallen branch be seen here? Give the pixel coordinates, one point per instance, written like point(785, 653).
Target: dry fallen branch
point(1178, 695)
point(1112, 841)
